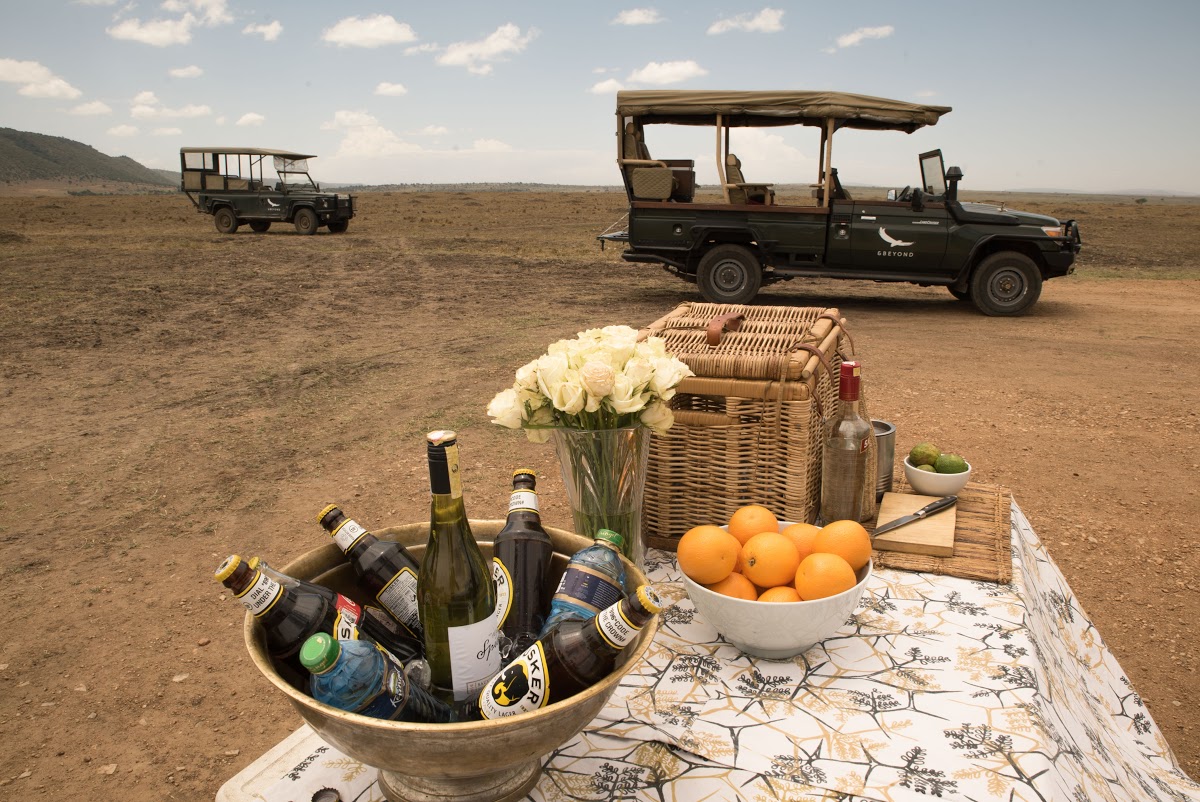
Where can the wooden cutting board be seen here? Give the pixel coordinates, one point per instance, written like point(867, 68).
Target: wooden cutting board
point(933, 536)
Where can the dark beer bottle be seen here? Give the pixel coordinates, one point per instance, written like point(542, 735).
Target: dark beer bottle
point(455, 592)
point(384, 567)
point(520, 561)
point(571, 657)
point(373, 623)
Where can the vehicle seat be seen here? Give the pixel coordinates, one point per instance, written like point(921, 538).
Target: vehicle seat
point(647, 178)
point(738, 191)
point(839, 192)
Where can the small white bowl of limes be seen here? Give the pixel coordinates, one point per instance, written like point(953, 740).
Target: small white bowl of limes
point(930, 472)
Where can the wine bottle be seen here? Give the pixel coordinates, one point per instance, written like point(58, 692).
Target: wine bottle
point(521, 554)
point(384, 567)
point(594, 580)
point(844, 458)
point(571, 657)
point(455, 594)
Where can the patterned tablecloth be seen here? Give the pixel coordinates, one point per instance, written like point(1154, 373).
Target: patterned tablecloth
point(936, 688)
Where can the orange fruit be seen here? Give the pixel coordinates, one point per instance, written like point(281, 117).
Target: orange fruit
point(707, 553)
point(802, 535)
point(770, 559)
point(783, 593)
point(821, 574)
point(735, 585)
point(847, 539)
point(748, 521)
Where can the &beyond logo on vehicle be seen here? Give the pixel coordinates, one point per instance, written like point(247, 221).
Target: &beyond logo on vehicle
point(893, 243)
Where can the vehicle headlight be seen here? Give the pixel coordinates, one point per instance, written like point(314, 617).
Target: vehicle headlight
point(1055, 231)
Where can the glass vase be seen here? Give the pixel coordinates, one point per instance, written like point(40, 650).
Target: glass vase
point(604, 472)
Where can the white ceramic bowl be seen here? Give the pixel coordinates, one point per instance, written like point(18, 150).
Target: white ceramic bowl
point(776, 630)
point(927, 483)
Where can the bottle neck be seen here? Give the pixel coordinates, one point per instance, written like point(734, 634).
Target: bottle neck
point(615, 627)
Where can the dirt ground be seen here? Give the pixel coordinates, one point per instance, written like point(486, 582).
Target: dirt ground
point(171, 395)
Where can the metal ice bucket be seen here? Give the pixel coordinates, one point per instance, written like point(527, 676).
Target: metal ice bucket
point(472, 761)
point(885, 438)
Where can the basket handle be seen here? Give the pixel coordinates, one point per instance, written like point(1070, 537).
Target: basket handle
point(719, 325)
point(692, 417)
point(837, 321)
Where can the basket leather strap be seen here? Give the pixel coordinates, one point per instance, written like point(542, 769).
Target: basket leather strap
point(721, 324)
point(812, 349)
point(840, 324)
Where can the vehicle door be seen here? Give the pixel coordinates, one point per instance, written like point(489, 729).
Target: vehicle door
point(893, 237)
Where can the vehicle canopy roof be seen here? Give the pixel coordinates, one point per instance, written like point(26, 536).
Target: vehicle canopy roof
point(287, 154)
point(772, 108)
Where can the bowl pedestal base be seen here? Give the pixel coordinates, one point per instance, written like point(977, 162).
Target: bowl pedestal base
point(508, 785)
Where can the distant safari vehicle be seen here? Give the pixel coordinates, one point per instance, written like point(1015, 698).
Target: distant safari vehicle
point(229, 184)
point(995, 257)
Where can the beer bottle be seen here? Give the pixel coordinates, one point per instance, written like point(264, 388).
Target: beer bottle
point(594, 579)
point(455, 592)
point(572, 657)
point(384, 567)
point(520, 560)
point(363, 678)
point(288, 616)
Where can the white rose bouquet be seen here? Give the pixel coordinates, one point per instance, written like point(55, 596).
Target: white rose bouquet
point(596, 395)
point(601, 379)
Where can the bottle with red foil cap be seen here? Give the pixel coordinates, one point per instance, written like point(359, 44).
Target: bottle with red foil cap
point(844, 458)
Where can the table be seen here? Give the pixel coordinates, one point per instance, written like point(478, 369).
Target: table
point(938, 687)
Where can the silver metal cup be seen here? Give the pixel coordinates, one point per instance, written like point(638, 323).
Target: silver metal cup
point(885, 439)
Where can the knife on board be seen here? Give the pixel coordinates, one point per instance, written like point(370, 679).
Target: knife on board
point(929, 509)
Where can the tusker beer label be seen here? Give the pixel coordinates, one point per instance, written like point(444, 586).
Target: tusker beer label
point(347, 534)
point(261, 595)
point(523, 500)
point(502, 579)
point(521, 686)
point(615, 628)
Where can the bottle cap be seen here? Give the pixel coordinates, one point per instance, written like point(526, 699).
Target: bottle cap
point(611, 537)
point(319, 653)
point(649, 599)
point(226, 569)
point(442, 437)
point(850, 375)
point(525, 472)
point(326, 511)
point(254, 562)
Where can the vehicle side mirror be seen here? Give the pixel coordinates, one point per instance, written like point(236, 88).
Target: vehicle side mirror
point(918, 200)
point(891, 194)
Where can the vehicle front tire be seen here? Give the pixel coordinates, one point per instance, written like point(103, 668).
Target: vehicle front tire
point(306, 221)
point(729, 274)
point(1006, 283)
point(259, 226)
point(338, 226)
point(225, 220)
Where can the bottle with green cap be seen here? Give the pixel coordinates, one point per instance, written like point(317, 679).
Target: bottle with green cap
point(594, 580)
point(362, 678)
point(565, 661)
point(521, 553)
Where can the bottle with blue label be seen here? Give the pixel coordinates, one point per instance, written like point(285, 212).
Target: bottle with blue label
point(594, 580)
point(358, 676)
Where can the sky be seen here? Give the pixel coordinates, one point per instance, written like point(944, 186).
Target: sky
point(1098, 96)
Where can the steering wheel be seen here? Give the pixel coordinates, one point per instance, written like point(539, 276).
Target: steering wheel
point(904, 194)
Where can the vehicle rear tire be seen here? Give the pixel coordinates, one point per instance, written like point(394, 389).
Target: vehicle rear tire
point(729, 274)
point(306, 221)
point(962, 295)
point(225, 220)
point(259, 226)
point(338, 226)
point(1005, 284)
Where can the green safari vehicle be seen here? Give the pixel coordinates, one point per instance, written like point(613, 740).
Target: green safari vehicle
point(730, 247)
point(232, 185)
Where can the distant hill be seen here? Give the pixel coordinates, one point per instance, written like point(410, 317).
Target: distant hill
point(26, 156)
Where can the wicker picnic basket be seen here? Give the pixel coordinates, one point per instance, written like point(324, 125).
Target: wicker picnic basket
point(749, 426)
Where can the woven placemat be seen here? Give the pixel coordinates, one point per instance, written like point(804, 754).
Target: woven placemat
point(982, 537)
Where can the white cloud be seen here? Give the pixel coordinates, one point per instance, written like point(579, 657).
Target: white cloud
point(269, 31)
point(769, 20)
point(191, 71)
point(167, 131)
point(92, 109)
point(478, 56)
point(433, 130)
point(96, 2)
point(211, 12)
point(158, 33)
point(251, 118)
point(146, 106)
point(856, 37)
point(667, 72)
point(220, 120)
point(490, 146)
point(609, 87)
point(373, 31)
point(36, 80)
point(418, 49)
point(927, 93)
point(390, 89)
point(638, 16)
point(123, 130)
